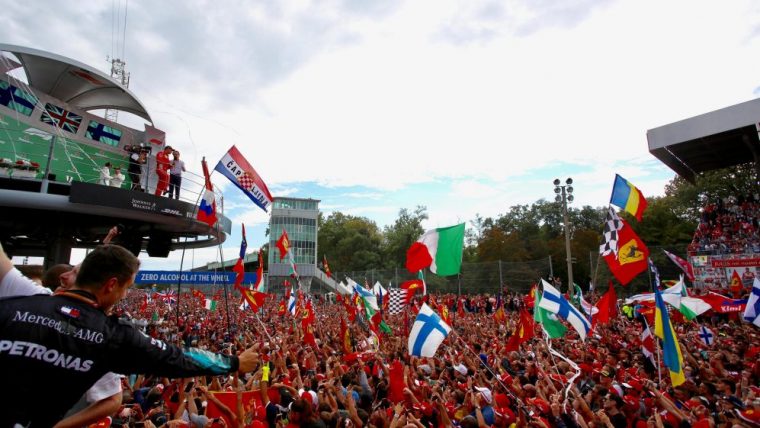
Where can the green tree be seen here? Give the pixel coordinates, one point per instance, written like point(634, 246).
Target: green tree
point(351, 243)
point(398, 237)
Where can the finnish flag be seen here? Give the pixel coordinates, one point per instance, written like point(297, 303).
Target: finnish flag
point(706, 336)
point(553, 302)
point(752, 311)
point(427, 333)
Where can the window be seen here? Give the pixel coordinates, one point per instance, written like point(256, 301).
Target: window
point(104, 134)
point(17, 99)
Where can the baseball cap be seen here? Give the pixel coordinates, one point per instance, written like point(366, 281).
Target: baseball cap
point(461, 369)
point(486, 393)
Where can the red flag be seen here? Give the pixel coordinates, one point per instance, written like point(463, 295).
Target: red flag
point(411, 288)
point(282, 308)
point(632, 255)
point(460, 308)
point(307, 314)
point(326, 266)
point(607, 306)
point(308, 336)
point(254, 298)
point(530, 299)
point(260, 270)
point(683, 264)
point(523, 332)
point(283, 244)
point(736, 284)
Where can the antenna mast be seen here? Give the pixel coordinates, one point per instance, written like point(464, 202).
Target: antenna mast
point(118, 65)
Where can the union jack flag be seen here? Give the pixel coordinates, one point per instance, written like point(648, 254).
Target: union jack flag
point(169, 296)
point(16, 99)
point(58, 117)
point(105, 134)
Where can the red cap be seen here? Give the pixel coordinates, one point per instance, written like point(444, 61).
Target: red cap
point(543, 405)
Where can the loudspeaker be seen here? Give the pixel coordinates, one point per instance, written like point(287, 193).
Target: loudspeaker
point(159, 244)
point(133, 243)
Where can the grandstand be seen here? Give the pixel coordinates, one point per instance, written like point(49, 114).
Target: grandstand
point(725, 244)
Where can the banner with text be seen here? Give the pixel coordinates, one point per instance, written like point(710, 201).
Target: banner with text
point(190, 278)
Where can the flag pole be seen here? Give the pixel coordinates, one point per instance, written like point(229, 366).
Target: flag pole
point(224, 284)
point(657, 350)
point(495, 376)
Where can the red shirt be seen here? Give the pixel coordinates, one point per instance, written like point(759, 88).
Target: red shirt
point(162, 161)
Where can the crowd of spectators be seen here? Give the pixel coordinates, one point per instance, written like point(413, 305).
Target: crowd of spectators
point(471, 382)
point(728, 226)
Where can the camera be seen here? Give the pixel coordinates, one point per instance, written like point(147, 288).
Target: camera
point(134, 148)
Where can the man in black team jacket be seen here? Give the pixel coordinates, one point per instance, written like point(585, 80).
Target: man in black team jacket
point(52, 349)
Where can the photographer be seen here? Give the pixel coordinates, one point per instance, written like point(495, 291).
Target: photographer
point(137, 157)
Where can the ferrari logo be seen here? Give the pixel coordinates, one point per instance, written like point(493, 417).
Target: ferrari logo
point(630, 253)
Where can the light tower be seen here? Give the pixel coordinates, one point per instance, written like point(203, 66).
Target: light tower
point(565, 196)
point(120, 75)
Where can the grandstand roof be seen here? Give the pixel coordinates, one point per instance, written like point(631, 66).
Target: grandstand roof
point(714, 140)
point(74, 82)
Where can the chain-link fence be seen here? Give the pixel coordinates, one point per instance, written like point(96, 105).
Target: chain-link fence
point(475, 278)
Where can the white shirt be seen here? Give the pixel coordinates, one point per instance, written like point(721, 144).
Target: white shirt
point(117, 179)
point(105, 176)
point(177, 167)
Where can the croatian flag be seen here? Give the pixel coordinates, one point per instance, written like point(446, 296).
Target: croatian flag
point(553, 302)
point(207, 209)
point(234, 166)
point(427, 333)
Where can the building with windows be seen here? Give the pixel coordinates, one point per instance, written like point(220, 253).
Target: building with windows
point(299, 218)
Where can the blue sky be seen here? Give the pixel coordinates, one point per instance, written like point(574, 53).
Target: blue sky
point(462, 106)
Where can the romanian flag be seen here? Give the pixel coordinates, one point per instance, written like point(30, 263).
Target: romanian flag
point(671, 350)
point(628, 197)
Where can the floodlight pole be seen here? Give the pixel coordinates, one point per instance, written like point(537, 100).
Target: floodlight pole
point(564, 194)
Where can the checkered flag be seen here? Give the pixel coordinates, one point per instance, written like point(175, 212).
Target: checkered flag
point(610, 235)
point(396, 304)
point(246, 181)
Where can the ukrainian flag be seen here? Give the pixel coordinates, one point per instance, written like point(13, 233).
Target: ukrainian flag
point(671, 351)
point(628, 197)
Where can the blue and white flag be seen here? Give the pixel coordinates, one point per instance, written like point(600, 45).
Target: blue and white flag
point(706, 336)
point(427, 333)
point(552, 301)
point(655, 273)
point(752, 311)
point(292, 304)
point(365, 294)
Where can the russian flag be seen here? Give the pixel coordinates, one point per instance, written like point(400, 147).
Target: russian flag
point(207, 209)
point(237, 169)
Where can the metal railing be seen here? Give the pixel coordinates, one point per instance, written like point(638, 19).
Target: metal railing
point(71, 162)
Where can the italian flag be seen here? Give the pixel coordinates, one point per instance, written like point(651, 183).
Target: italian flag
point(211, 304)
point(440, 249)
